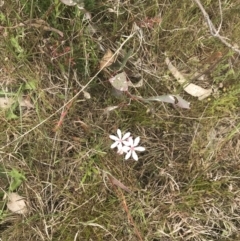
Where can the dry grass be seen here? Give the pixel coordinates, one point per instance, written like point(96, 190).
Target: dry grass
point(185, 186)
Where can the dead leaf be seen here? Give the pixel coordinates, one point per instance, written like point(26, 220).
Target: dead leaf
point(173, 99)
point(191, 89)
point(6, 102)
point(69, 2)
point(25, 102)
point(107, 59)
point(181, 102)
point(110, 108)
point(119, 81)
point(115, 182)
point(87, 16)
point(163, 98)
point(16, 203)
point(86, 95)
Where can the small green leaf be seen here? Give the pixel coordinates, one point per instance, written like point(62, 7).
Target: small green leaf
point(17, 179)
point(16, 45)
point(30, 85)
point(11, 116)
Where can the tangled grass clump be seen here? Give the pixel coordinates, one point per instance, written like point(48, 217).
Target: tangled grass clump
point(58, 108)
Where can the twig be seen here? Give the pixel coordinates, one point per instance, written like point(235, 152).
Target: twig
point(73, 98)
point(115, 183)
point(130, 218)
point(63, 114)
point(36, 23)
point(212, 28)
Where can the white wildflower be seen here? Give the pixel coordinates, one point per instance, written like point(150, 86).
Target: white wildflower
point(131, 146)
point(119, 140)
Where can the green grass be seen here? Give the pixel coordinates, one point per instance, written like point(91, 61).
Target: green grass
point(184, 186)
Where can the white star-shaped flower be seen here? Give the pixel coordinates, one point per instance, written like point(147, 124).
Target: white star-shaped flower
point(131, 147)
point(119, 140)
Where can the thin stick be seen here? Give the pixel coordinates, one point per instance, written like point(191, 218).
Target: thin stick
point(74, 97)
point(63, 114)
point(130, 218)
point(212, 28)
point(35, 25)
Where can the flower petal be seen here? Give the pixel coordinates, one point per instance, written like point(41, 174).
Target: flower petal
point(128, 155)
point(125, 149)
point(134, 155)
point(120, 150)
point(115, 144)
point(126, 143)
point(113, 137)
point(126, 136)
point(119, 133)
point(139, 148)
point(130, 141)
point(136, 141)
